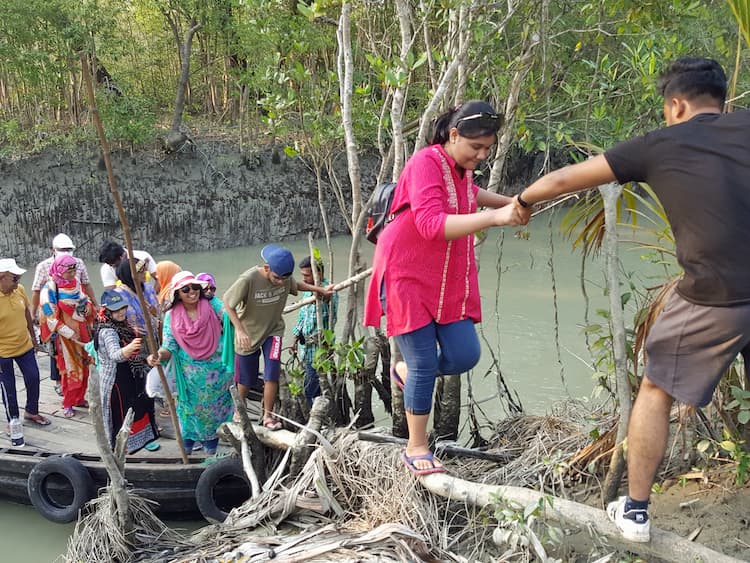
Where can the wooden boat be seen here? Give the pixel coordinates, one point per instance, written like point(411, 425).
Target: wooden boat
point(59, 468)
point(164, 480)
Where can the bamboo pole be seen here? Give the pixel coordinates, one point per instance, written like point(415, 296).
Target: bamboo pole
point(152, 346)
point(337, 287)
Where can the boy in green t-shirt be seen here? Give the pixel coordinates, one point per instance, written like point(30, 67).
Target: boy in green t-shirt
point(255, 305)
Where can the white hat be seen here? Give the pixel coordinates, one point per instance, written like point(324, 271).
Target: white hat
point(63, 241)
point(182, 279)
point(9, 265)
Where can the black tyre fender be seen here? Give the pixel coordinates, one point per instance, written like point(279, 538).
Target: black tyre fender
point(227, 467)
point(77, 476)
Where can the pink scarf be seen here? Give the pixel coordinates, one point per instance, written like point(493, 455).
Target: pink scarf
point(198, 338)
point(59, 266)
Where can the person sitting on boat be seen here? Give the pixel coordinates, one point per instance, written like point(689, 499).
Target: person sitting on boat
point(67, 312)
point(17, 344)
point(191, 339)
point(122, 372)
point(136, 315)
point(61, 244)
point(111, 255)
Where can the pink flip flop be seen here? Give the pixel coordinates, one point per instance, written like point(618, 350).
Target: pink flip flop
point(408, 461)
point(272, 424)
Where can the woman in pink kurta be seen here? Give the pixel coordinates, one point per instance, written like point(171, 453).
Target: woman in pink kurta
point(424, 271)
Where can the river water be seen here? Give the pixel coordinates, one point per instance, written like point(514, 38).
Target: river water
point(536, 334)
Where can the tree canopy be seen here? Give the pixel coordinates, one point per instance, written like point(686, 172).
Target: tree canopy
point(270, 70)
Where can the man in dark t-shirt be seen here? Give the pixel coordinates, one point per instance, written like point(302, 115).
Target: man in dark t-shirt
point(699, 167)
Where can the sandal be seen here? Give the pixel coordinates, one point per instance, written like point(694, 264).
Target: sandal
point(69, 412)
point(272, 424)
point(152, 446)
point(408, 461)
point(58, 389)
point(83, 405)
point(37, 419)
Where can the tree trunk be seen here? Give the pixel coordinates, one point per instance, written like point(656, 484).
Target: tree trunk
point(447, 407)
point(398, 415)
point(118, 486)
point(610, 195)
point(363, 402)
point(306, 439)
point(182, 84)
point(248, 434)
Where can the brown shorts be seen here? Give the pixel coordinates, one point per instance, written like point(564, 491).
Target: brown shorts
point(691, 346)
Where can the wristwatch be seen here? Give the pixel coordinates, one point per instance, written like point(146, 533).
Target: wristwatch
point(522, 202)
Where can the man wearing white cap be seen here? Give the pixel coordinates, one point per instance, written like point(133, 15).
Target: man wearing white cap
point(61, 244)
point(17, 344)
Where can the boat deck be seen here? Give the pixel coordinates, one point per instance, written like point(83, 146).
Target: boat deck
point(76, 435)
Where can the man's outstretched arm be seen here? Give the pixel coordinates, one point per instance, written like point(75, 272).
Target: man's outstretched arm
point(575, 177)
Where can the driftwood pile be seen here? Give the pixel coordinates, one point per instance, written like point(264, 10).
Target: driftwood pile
point(353, 500)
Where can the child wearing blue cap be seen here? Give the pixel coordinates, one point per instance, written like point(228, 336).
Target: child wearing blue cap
point(255, 305)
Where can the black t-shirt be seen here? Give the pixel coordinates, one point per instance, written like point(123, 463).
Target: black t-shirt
point(700, 169)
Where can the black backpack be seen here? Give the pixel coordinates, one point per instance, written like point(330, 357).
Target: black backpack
point(380, 213)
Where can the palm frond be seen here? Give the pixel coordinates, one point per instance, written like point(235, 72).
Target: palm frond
point(741, 11)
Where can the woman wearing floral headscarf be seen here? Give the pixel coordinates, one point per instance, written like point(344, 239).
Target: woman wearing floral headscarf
point(67, 311)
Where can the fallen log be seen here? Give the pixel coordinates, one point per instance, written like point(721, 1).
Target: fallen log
point(663, 544)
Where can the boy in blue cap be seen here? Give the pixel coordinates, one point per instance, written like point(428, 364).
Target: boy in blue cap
point(255, 305)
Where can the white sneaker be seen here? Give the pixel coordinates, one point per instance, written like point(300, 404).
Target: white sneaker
point(635, 527)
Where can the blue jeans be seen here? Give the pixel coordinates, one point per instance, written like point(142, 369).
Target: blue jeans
point(311, 383)
point(432, 351)
point(30, 370)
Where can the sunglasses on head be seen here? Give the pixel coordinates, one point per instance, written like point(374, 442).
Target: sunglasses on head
point(482, 120)
point(191, 287)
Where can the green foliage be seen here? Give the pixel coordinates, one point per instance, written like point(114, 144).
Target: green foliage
point(128, 119)
point(741, 11)
point(520, 527)
point(295, 373)
point(733, 446)
point(338, 358)
point(602, 343)
point(741, 402)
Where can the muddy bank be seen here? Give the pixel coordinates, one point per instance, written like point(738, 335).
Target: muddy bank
point(208, 197)
point(212, 196)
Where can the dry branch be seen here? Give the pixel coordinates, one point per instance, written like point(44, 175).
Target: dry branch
point(337, 287)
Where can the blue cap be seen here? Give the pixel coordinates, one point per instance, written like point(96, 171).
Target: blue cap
point(112, 300)
point(279, 259)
